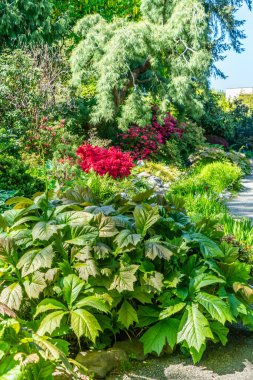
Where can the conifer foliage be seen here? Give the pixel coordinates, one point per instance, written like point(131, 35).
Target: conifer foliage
point(23, 21)
point(166, 55)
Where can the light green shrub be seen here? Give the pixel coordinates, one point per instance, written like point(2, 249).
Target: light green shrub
point(221, 175)
point(215, 177)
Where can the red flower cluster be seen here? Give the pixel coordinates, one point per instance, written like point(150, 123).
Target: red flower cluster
point(142, 141)
point(103, 161)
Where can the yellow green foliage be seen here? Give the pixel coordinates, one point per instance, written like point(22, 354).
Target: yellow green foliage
point(168, 173)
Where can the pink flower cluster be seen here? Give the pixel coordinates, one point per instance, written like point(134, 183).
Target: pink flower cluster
point(142, 141)
point(103, 161)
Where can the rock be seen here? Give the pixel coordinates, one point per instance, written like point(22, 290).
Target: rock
point(154, 182)
point(100, 363)
point(133, 348)
point(143, 175)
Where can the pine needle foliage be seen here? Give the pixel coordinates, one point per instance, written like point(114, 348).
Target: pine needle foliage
point(165, 56)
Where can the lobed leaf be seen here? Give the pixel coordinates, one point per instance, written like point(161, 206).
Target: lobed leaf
point(85, 324)
point(155, 338)
point(36, 259)
point(127, 315)
point(194, 328)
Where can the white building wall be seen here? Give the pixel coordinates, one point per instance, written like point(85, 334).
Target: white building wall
point(232, 93)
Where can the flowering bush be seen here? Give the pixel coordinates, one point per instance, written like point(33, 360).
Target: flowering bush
point(142, 141)
point(47, 137)
point(112, 161)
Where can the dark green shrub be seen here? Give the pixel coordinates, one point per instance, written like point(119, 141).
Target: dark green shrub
point(14, 176)
point(169, 153)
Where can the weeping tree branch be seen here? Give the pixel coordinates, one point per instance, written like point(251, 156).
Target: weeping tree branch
point(120, 95)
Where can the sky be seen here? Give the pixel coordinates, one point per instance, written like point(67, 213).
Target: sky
point(238, 67)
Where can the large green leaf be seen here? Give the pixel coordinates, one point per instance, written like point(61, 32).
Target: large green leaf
point(51, 322)
point(194, 328)
point(50, 351)
point(152, 282)
point(95, 302)
point(204, 279)
point(74, 218)
point(215, 306)
point(158, 335)
point(44, 231)
point(10, 369)
point(106, 226)
point(172, 309)
point(220, 331)
point(197, 355)
point(12, 296)
point(126, 239)
point(207, 246)
point(125, 278)
point(236, 306)
point(143, 196)
point(145, 217)
point(22, 237)
point(41, 370)
point(36, 259)
point(147, 315)
point(35, 285)
point(49, 304)
point(7, 247)
point(85, 324)
point(154, 249)
point(72, 286)
point(15, 200)
point(25, 220)
point(87, 269)
point(83, 236)
point(236, 272)
point(245, 291)
point(142, 296)
point(78, 195)
point(127, 314)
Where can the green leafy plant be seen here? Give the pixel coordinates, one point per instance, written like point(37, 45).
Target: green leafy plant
point(27, 355)
point(82, 322)
point(90, 271)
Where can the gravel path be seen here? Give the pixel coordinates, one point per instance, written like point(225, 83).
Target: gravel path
point(233, 362)
point(242, 204)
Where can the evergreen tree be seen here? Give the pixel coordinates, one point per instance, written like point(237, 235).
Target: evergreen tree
point(74, 10)
point(166, 56)
point(23, 21)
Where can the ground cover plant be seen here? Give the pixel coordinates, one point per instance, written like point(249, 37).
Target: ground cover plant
point(216, 177)
point(85, 273)
point(201, 193)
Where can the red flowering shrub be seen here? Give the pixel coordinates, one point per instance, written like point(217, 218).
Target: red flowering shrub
point(142, 141)
point(103, 161)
